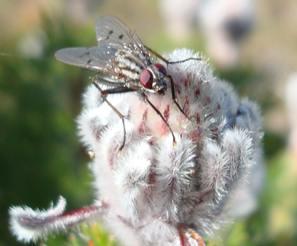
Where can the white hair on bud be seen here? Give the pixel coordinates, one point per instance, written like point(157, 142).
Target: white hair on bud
point(132, 178)
point(174, 176)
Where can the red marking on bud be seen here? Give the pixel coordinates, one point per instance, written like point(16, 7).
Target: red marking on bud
point(197, 92)
point(152, 177)
point(142, 127)
point(113, 151)
point(166, 112)
point(219, 107)
point(186, 82)
point(196, 135)
point(181, 234)
point(208, 100)
point(186, 106)
point(177, 88)
point(151, 180)
point(125, 221)
point(152, 141)
point(198, 118)
point(96, 130)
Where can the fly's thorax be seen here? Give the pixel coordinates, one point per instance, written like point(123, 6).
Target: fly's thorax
point(126, 67)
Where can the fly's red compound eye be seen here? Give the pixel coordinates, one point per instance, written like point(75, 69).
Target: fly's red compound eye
point(161, 68)
point(146, 78)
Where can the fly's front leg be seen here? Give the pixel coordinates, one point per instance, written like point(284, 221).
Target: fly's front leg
point(184, 60)
point(104, 94)
point(173, 95)
point(160, 114)
point(172, 62)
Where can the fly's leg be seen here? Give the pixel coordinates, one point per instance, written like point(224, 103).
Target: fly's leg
point(104, 94)
point(171, 62)
point(160, 114)
point(125, 89)
point(173, 95)
point(184, 60)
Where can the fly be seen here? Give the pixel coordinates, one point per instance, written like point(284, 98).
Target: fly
point(125, 64)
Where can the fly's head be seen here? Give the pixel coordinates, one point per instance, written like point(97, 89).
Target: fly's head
point(154, 78)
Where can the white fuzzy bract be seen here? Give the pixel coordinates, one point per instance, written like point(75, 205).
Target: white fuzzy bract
point(20, 215)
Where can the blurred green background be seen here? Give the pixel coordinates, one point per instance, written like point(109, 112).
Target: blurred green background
point(40, 155)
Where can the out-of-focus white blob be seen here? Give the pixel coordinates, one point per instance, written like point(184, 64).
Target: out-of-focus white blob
point(291, 104)
point(80, 11)
point(179, 17)
point(224, 23)
point(32, 44)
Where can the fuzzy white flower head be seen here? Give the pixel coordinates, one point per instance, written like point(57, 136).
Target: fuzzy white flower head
point(153, 180)
point(156, 191)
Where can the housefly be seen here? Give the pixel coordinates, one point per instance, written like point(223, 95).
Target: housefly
point(124, 63)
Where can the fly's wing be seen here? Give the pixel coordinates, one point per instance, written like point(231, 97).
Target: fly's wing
point(93, 58)
point(111, 30)
point(98, 59)
point(119, 50)
point(112, 33)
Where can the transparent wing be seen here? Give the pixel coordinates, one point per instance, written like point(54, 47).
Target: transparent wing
point(94, 58)
point(119, 54)
point(111, 30)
